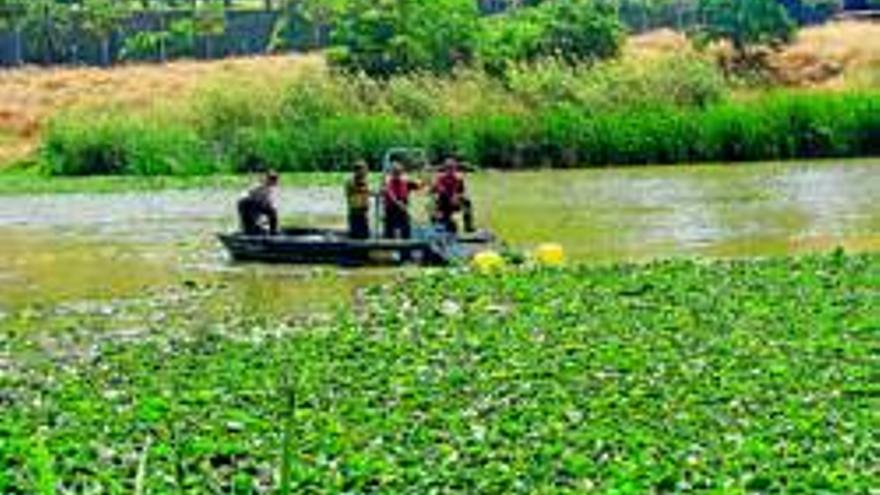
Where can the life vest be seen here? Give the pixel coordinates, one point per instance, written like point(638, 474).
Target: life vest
point(358, 195)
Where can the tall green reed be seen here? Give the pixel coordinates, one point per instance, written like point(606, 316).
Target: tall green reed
point(667, 109)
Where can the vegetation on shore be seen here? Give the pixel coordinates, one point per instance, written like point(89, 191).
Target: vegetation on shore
point(738, 376)
point(538, 86)
point(322, 128)
point(321, 120)
point(837, 57)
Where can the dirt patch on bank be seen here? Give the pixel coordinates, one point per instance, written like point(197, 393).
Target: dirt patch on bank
point(842, 54)
point(31, 95)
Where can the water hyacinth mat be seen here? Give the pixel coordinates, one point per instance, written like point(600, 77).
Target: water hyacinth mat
point(750, 376)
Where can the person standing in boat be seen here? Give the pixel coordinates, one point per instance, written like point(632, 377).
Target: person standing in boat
point(260, 203)
point(357, 193)
point(450, 197)
point(398, 188)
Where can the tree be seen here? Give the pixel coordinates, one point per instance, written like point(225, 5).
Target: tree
point(320, 14)
point(12, 17)
point(144, 45)
point(47, 22)
point(286, 28)
point(447, 31)
point(163, 35)
point(209, 22)
point(387, 37)
point(575, 31)
point(582, 30)
point(180, 41)
point(746, 24)
point(101, 18)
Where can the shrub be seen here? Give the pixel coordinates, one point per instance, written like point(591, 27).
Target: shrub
point(500, 141)
point(106, 144)
point(413, 97)
point(675, 80)
point(746, 23)
point(340, 141)
point(581, 30)
point(575, 31)
point(143, 45)
point(316, 96)
point(865, 124)
point(386, 38)
point(444, 135)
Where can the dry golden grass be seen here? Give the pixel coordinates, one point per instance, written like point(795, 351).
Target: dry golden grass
point(656, 42)
point(30, 95)
point(834, 55)
point(839, 54)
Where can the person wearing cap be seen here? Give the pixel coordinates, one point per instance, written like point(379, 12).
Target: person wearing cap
point(398, 188)
point(259, 203)
point(450, 197)
point(357, 193)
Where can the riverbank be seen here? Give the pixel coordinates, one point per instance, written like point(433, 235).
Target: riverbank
point(327, 124)
point(290, 113)
point(581, 379)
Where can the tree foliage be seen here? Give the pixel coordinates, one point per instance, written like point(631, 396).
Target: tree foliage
point(12, 12)
point(12, 18)
point(100, 18)
point(398, 36)
point(47, 23)
point(746, 23)
point(320, 14)
point(572, 30)
point(387, 37)
point(209, 21)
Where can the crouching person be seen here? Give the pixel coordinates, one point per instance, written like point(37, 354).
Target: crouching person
point(259, 205)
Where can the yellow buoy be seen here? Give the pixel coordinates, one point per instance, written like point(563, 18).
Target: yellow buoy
point(549, 255)
point(488, 261)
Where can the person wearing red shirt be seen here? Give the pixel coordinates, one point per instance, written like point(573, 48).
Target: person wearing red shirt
point(450, 197)
point(398, 188)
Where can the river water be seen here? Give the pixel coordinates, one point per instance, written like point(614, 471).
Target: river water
point(81, 247)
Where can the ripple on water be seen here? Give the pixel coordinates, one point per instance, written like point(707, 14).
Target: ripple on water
point(103, 246)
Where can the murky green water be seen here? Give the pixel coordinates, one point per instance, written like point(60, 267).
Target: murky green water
point(75, 247)
point(644, 213)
